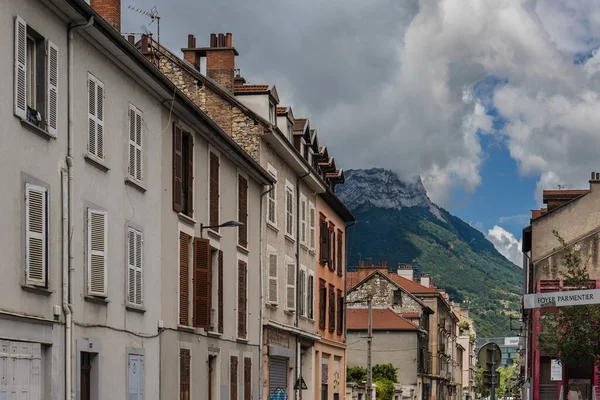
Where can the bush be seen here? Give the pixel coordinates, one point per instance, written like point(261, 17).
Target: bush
point(385, 389)
point(385, 371)
point(356, 374)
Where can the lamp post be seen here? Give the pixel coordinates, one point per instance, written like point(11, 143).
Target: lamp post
point(228, 224)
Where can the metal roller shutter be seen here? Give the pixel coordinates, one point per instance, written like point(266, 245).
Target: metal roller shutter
point(278, 374)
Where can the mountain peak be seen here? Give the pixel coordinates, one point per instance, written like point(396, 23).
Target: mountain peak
point(382, 188)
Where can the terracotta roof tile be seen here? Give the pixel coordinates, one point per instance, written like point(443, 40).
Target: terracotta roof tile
point(411, 315)
point(281, 110)
point(565, 193)
point(251, 89)
point(382, 319)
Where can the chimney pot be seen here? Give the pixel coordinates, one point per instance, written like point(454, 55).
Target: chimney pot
point(191, 40)
point(131, 39)
point(213, 40)
point(109, 10)
point(593, 175)
point(221, 40)
point(228, 39)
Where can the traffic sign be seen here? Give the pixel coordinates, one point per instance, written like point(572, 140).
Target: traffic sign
point(562, 299)
point(485, 356)
point(300, 384)
point(487, 378)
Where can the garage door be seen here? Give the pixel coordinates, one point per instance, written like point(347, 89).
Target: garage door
point(278, 374)
point(20, 369)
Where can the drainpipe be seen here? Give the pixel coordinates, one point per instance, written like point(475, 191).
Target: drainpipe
point(67, 181)
point(262, 303)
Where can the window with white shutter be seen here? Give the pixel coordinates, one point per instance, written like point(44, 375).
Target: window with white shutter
point(290, 286)
point(95, 117)
point(303, 219)
point(310, 296)
point(272, 198)
point(134, 267)
point(97, 252)
point(36, 235)
point(135, 143)
point(136, 377)
point(273, 278)
point(302, 290)
point(20, 67)
point(289, 209)
point(52, 88)
point(312, 225)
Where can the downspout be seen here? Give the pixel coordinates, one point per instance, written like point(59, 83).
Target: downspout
point(67, 181)
point(346, 277)
point(262, 303)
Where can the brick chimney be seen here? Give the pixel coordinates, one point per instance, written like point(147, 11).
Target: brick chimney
point(220, 57)
point(110, 10)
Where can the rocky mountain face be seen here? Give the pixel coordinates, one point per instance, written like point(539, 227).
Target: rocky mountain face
point(397, 222)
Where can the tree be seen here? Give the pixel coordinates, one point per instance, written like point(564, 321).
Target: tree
point(508, 377)
point(356, 374)
point(571, 333)
point(385, 389)
point(385, 371)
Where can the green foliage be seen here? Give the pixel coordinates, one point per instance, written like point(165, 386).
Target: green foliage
point(385, 371)
point(458, 257)
point(508, 378)
point(571, 333)
point(356, 374)
point(385, 389)
point(479, 387)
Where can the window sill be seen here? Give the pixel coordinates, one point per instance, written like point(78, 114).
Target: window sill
point(214, 334)
point(273, 227)
point(242, 340)
point(36, 129)
point(186, 328)
point(135, 184)
point(37, 289)
point(96, 162)
point(272, 305)
point(134, 308)
point(289, 312)
point(290, 238)
point(95, 299)
point(214, 234)
point(186, 219)
point(243, 249)
point(312, 252)
point(305, 247)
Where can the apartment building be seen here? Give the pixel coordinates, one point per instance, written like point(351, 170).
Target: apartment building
point(467, 336)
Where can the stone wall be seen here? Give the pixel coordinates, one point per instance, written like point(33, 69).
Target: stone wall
point(382, 291)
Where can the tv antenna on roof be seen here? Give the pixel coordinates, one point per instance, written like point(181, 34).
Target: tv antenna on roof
point(561, 187)
point(153, 15)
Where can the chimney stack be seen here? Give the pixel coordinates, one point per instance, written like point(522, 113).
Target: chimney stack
point(405, 271)
point(109, 10)
point(425, 281)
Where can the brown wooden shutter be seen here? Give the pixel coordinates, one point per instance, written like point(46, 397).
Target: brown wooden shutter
point(322, 304)
point(242, 298)
point(177, 169)
point(214, 191)
point(340, 315)
point(184, 278)
point(184, 374)
point(220, 294)
point(331, 309)
point(332, 249)
point(190, 175)
point(324, 239)
point(243, 211)
point(202, 283)
point(233, 375)
point(247, 378)
point(340, 250)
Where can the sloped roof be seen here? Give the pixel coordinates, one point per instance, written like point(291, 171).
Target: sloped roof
point(382, 319)
point(251, 89)
point(412, 287)
point(282, 110)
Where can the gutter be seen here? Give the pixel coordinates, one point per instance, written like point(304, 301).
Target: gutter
point(67, 221)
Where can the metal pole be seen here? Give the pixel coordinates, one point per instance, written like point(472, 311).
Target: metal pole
point(369, 343)
point(493, 369)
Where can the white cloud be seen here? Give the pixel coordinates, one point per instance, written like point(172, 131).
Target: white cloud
point(520, 219)
point(506, 244)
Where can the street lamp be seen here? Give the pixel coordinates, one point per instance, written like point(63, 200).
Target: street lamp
point(228, 224)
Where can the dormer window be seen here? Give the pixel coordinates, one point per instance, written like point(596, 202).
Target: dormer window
point(272, 118)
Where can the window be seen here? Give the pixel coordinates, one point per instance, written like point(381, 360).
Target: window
point(310, 297)
point(202, 283)
point(302, 290)
point(322, 303)
point(36, 235)
point(397, 301)
point(332, 304)
point(247, 378)
point(331, 250)
point(323, 242)
point(220, 289)
point(95, 117)
point(290, 131)
point(272, 198)
point(214, 191)
point(303, 219)
point(289, 209)
point(272, 278)
point(135, 143)
point(136, 376)
point(340, 252)
point(134, 267)
point(233, 377)
point(312, 225)
point(272, 118)
point(183, 172)
point(242, 297)
point(243, 211)
point(96, 252)
point(340, 312)
point(184, 279)
point(36, 78)
point(290, 286)
point(184, 374)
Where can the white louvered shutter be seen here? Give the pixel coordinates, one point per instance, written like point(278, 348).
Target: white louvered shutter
point(135, 271)
point(312, 227)
point(135, 143)
point(97, 252)
point(273, 278)
point(20, 68)
point(290, 286)
point(36, 239)
point(95, 117)
point(52, 88)
point(302, 287)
